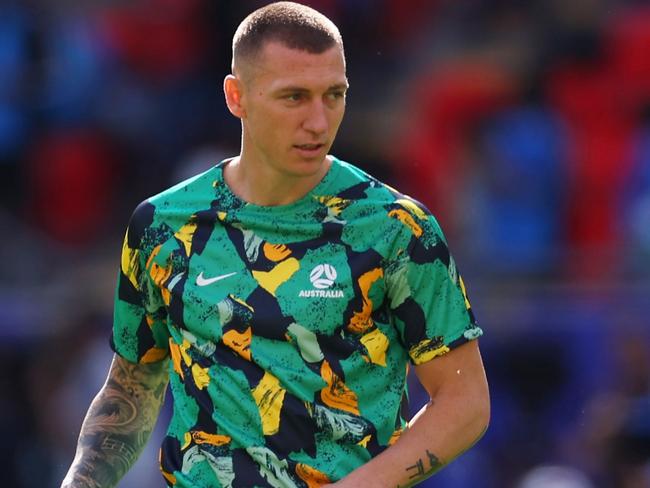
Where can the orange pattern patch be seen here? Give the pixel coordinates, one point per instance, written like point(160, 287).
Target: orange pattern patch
point(313, 477)
point(361, 321)
point(276, 252)
point(153, 355)
point(407, 219)
point(336, 394)
point(239, 342)
point(200, 437)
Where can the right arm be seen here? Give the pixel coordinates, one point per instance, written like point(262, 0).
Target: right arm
point(118, 424)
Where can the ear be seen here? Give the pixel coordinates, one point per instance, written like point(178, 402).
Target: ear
point(233, 90)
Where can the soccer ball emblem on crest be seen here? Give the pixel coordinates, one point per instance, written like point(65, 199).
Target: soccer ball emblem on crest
point(323, 276)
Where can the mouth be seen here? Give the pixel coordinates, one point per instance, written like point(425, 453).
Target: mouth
point(309, 150)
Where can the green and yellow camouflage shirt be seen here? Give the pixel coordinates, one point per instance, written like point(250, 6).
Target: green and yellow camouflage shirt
point(288, 329)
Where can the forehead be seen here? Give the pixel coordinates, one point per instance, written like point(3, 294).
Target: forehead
point(278, 66)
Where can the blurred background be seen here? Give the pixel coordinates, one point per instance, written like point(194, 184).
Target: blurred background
point(524, 126)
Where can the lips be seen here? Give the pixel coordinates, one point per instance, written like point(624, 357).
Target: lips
point(309, 151)
point(309, 147)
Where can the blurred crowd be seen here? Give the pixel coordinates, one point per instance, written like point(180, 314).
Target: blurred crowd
point(524, 126)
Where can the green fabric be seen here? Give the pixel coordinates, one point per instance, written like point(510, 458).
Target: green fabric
point(288, 329)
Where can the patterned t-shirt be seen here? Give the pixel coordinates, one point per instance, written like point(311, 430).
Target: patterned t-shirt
point(289, 328)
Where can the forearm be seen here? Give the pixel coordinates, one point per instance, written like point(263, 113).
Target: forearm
point(118, 424)
point(436, 435)
point(455, 418)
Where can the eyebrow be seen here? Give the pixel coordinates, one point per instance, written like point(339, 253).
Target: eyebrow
point(339, 86)
point(299, 89)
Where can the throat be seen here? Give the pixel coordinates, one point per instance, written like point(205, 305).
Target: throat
point(271, 188)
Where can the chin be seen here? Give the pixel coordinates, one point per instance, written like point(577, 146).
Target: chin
point(307, 166)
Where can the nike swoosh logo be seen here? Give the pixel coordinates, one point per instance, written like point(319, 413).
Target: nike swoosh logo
point(202, 281)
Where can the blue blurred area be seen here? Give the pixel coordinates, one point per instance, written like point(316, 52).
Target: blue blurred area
point(524, 126)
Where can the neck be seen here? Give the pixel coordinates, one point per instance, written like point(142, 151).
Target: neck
point(263, 185)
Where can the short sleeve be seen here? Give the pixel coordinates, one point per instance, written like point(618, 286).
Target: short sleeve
point(140, 333)
point(427, 295)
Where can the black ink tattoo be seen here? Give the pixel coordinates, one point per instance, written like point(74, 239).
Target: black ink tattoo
point(118, 424)
point(419, 467)
point(418, 472)
point(434, 462)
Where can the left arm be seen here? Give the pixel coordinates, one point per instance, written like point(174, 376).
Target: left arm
point(454, 419)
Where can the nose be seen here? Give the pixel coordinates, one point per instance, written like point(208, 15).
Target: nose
point(316, 120)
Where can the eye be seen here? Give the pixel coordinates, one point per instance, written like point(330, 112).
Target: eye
point(294, 97)
point(336, 95)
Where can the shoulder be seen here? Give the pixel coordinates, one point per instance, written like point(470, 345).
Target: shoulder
point(164, 212)
point(414, 216)
point(199, 189)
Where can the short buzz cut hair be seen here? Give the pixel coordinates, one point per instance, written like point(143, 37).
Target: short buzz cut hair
point(294, 25)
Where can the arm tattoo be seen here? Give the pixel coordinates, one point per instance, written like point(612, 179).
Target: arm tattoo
point(118, 424)
point(423, 469)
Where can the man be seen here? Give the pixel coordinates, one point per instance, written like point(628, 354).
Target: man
point(283, 293)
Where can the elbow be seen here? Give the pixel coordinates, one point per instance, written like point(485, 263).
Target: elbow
point(482, 413)
point(483, 419)
point(476, 411)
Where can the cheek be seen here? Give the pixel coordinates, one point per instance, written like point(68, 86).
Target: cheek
point(262, 123)
point(336, 118)
point(271, 130)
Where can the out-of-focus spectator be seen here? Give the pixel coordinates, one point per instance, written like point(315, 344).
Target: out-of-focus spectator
point(585, 94)
point(73, 177)
point(14, 119)
point(635, 202)
point(158, 39)
point(613, 442)
point(441, 110)
point(517, 198)
point(555, 477)
point(628, 45)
